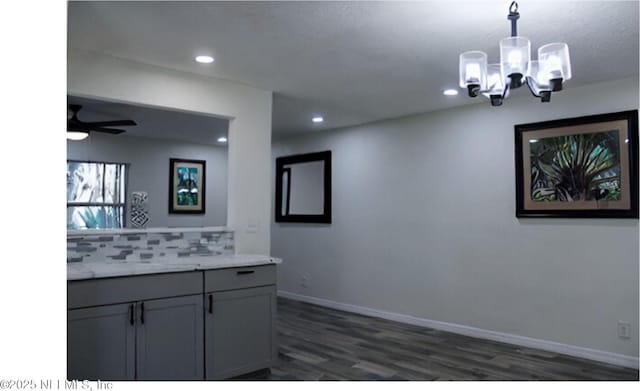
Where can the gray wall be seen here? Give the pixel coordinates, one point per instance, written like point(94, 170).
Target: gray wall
point(149, 171)
point(424, 224)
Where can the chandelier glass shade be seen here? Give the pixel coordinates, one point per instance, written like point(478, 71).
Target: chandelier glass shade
point(516, 68)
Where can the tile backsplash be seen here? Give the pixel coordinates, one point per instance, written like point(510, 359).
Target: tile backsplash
point(148, 246)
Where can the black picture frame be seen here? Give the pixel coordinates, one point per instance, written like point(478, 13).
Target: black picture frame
point(581, 149)
point(197, 179)
point(282, 214)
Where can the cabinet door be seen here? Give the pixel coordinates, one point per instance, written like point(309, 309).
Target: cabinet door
point(239, 331)
point(170, 339)
point(100, 343)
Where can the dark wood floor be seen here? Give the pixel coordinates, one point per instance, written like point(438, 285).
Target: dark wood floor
point(318, 343)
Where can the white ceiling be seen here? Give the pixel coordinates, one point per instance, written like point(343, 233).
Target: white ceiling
point(353, 62)
point(153, 122)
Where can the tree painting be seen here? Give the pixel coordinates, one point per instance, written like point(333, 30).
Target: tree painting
point(187, 191)
point(577, 167)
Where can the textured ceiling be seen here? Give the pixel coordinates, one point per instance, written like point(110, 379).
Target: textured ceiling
point(353, 62)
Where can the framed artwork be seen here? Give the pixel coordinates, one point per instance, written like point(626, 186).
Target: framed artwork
point(187, 186)
point(578, 167)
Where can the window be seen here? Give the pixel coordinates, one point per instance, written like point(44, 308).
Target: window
point(95, 195)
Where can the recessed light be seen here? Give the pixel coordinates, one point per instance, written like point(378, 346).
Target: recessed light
point(450, 92)
point(222, 139)
point(204, 59)
point(317, 119)
point(533, 140)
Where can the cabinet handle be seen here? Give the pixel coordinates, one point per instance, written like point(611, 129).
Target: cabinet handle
point(142, 313)
point(211, 304)
point(245, 271)
point(132, 317)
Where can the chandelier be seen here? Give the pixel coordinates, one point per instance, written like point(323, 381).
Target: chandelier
point(516, 68)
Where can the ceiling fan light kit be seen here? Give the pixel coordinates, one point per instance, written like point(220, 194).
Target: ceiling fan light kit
point(76, 135)
point(516, 68)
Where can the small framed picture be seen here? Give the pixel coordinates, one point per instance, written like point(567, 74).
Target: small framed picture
point(187, 186)
point(578, 167)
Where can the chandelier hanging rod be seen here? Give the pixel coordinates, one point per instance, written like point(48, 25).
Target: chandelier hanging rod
point(513, 17)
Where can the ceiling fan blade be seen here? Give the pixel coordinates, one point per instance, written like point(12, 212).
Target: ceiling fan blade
point(75, 126)
point(108, 130)
point(126, 122)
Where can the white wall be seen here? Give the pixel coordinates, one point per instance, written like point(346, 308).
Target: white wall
point(424, 224)
point(149, 171)
point(249, 197)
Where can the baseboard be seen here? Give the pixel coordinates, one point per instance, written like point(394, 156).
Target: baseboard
point(556, 347)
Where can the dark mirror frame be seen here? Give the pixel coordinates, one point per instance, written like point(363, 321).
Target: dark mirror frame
point(281, 162)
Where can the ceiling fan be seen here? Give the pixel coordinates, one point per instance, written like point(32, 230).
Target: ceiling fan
point(78, 130)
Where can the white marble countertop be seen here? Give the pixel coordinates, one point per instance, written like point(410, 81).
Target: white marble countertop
point(91, 270)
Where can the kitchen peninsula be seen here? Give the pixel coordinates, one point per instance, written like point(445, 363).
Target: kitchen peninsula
point(167, 304)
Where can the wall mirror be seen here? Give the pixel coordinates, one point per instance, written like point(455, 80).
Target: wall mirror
point(303, 188)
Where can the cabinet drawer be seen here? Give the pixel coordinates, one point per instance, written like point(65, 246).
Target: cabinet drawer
point(104, 291)
point(239, 277)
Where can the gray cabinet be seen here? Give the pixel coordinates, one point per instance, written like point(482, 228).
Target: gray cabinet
point(101, 343)
point(167, 326)
point(169, 339)
point(239, 321)
point(146, 337)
